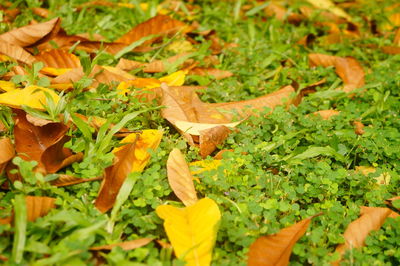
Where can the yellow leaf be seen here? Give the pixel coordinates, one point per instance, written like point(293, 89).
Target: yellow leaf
point(175, 79)
point(6, 85)
point(32, 96)
point(328, 5)
point(199, 167)
point(4, 58)
point(52, 71)
point(195, 128)
point(192, 230)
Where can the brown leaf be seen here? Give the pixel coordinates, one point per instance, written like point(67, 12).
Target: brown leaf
point(67, 180)
point(127, 245)
point(372, 218)
point(180, 179)
point(38, 206)
point(276, 249)
point(211, 138)
point(348, 69)
point(216, 73)
point(391, 49)
point(132, 157)
point(42, 12)
point(16, 52)
point(7, 152)
point(358, 127)
point(32, 34)
point(390, 201)
point(43, 144)
point(327, 114)
point(58, 58)
point(159, 25)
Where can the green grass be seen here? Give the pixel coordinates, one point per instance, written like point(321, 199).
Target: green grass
point(315, 158)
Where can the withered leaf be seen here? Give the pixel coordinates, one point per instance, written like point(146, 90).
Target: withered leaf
point(211, 138)
point(7, 152)
point(16, 52)
point(32, 34)
point(180, 179)
point(127, 245)
point(67, 180)
point(214, 72)
point(43, 144)
point(132, 157)
point(38, 206)
point(357, 231)
point(58, 58)
point(276, 249)
point(159, 25)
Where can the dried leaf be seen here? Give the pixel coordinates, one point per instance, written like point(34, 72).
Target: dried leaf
point(38, 206)
point(348, 69)
point(196, 128)
point(327, 114)
point(44, 144)
point(211, 138)
point(32, 96)
point(276, 249)
point(330, 6)
point(391, 200)
point(67, 180)
point(7, 152)
point(131, 157)
point(16, 52)
point(180, 179)
point(127, 245)
point(159, 25)
point(372, 218)
point(391, 50)
point(216, 73)
point(32, 34)
point(358, 127)
point(192, 230)
point(58, 58)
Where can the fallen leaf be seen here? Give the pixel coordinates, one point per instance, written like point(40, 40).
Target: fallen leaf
point(372, 218)
point(32, 96)
point(126, 245)
point(192, 230)
point(358, 127)
point(211, 138)
point(131, 157)
point(348, 69)
point(276, 249)
point(214, 72)
point(330, 6)
point(162, 25)
point(16, 52)
point(382, 179)
point(327, 114)
point(391, 49)
point(67, 180)
point(7, 85)
point(58, 58)
point(391, 200)
point(32, 34)
point(7, 152)
point(44, 144)
point(180, 179)
point(196, 128)
point(198, 167)
point(38, 206)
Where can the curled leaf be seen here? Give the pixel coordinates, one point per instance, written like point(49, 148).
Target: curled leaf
point(127, 245)
point(131, 157)
point(7, 152)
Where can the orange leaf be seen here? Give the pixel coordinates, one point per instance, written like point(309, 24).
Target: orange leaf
point(16, 53)
point(372, 218)
point(276, 249)
point(391, 50)
point(32, 34)
point(180, 179)
point(327, 114)
point(58, 58)
point(216, 73)
point(127, 245)
point(132, 157)
point(7, 152)
point(211, 138)
point(43, 144)
point(38, 206)
point(348, 69)
point(160, 25)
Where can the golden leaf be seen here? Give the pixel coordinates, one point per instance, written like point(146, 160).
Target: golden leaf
point(32, 96)
point(192, 230)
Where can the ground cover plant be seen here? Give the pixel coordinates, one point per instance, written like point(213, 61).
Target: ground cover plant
point(199, 132)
